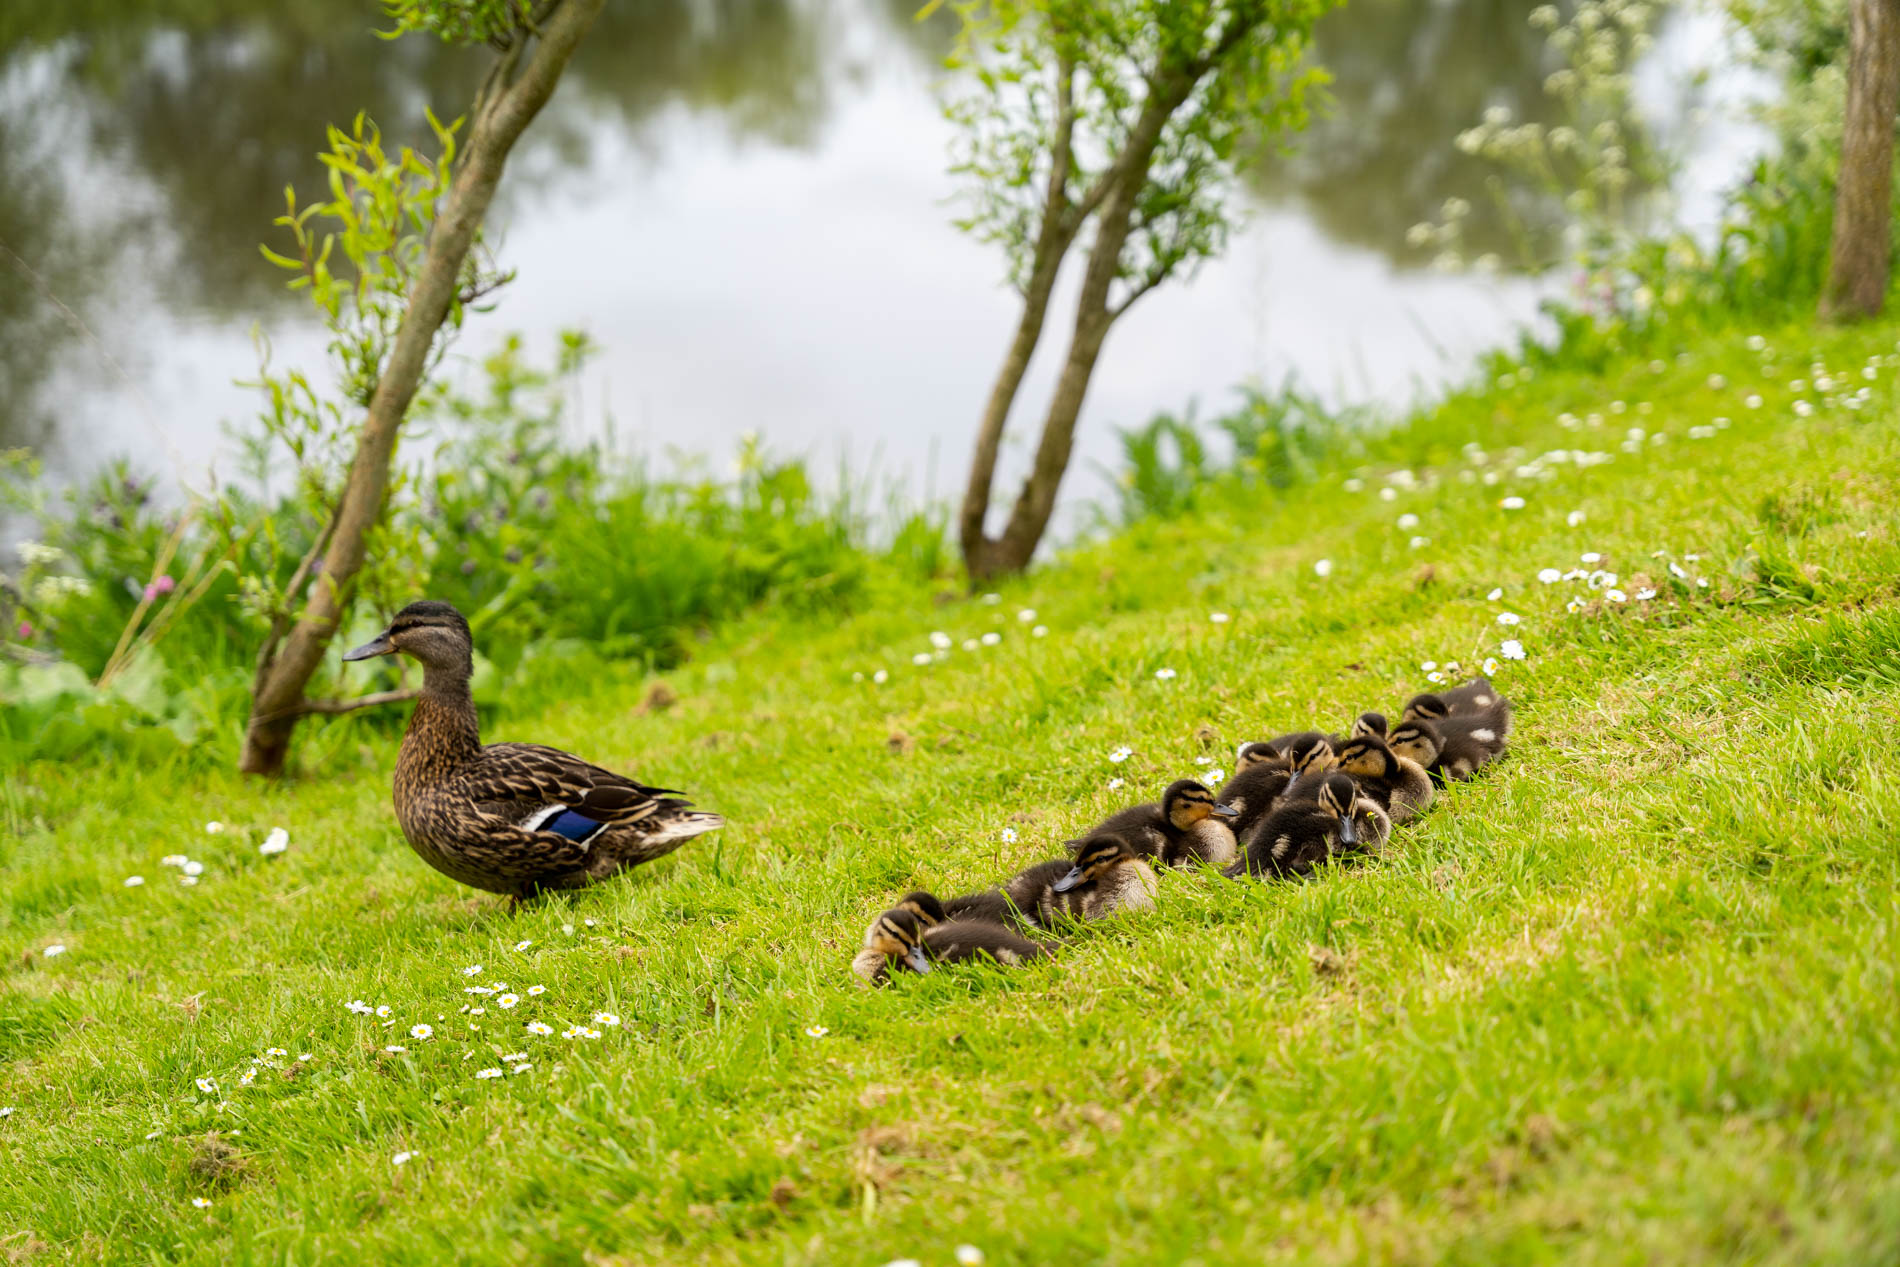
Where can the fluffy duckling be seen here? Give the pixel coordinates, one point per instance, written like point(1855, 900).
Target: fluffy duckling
point(1105, 876)
point(1166, 829)
point(914, 936)
point(1398, 785)
point(1303, 833)
point(1476, 698)
point(1308, 756)
point(1373, 724)
point(1252, 792)
point(1450, 747)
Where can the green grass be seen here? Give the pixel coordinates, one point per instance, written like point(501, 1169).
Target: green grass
point(1629, 997)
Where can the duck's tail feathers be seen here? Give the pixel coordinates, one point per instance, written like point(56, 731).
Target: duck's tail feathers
point(684, 827)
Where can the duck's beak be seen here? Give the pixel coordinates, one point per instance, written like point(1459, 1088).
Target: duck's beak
point(1348, 834)
point(1291, 779)
point(379, 645)
point(1226, 811)
point(917, 961)
point(1068, 881)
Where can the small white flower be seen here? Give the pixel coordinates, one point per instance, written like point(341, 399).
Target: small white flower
point(1219, 618)
point(305, 1056)
point(1490, 665)
point(539, 1027)
point(991, 639)
point(401, 1159)
point(478, 1011)
point(1116, 784)
point(421, 1031)
point(213, 827)
point(473, 970)
point(816, 1031)
point(395, 1050)
point(207, 1086)
point(537, 989)
point(1616, 596)
point(148, 1134)
point(1388, 494)
point(383, 1009)
point(173, 860)
point(54, 951)
point(1644, 595)
point(606, 1018)
point(1509, 618)
point(507, 1000)
point(969, 1256)
point(1325, 566)
point(991, 600)
point(971, 644)
point(1803, 409)
point(590, 1033)
point(523, 945)
point(1512, 503)
point(488, 1073)
point(276, 842)
point(1008, 835)
point(1164, 675)
point(1428, 666)
point(1592, 557)
point(1756, 343)
point(1354, 485)
point(1496, 594)
point(1550, 576)
point(1434, 678)
point(1408, 521)
point(193, 870)
point(588, 922)
point(1702, 582)
point(1120, 755)
point(357, 1005)
point(1717, 382)
point(1574, 518)
point(275, 1051)
point(1419, 542)
point(515, 1055)
point(1040, 631)
point(881, 676)
point(940, 640)
point(572, 1031)
point(133, 881)
point(1027, 615)
point(521, 1068)
point(1511, 649)
point(203, 1203)
point(921, 658)
point(1675, 570)
point(249, 1076)
point(1574, 606)
point(1752, 402)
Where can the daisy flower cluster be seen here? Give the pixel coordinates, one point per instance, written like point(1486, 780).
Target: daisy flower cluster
point(942, 643)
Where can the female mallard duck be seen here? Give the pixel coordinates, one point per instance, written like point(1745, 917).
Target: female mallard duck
point(1396, 784)
point(513, 818)
point(1303, 833)
point(914, 936)
point(1184, 825)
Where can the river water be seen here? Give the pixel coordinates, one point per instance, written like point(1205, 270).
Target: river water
point(745, 203)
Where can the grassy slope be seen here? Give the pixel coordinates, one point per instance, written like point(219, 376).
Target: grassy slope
point(1629, 997)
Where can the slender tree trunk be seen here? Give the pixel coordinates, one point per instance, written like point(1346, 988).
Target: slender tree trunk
point(1863, 208)
point(515, 95)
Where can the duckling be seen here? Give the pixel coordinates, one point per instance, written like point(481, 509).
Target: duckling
point(1308, 755)
point(1373, 724)
point(1450, 747)
point(1252, 791)
point(1162, 828)
point(1396, 784)
point(1303, 833)
point(1106, 875)
point(1476, 698)
point(908, 937)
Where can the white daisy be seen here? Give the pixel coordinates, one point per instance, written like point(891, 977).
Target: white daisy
point(515, 1055)
point(991, 639)
point(421, 1031)
point(816, 1031)
point(193, 870)
point(357, 1005)
point(1040, 631)
point(1115, 784)
point(488, 1073)
point(1216, 776)
point(940, 640)
point(173, 860)
point(572, 1031)
point(1496, 594)
point(881, 676)
point(921, 658)
point(538, 1027)
point(1219, 618)
point(133, 881)
point(148, 1134)
point(1027, 615)
point(1645, 594)
point(1325, 566)
point(213, 827)
point(401, 1159)
point(1512, 503)
point(54, 951)
point(1509, 618)
point(1164, 675)
point(537, 989)
point(383, 1009)
point(203, 1203)
point(591, 1033)
point(1616, 596)
point(1752, 402)
point(1419, 543)
point(521, 1068)
point(1490, 665)
point(395, 1050)
point(1574, 518)
point(188, 880)
point(276, 842)
point(1550, 576)
point(1120, 755)
point(1434, 678)
point(969, 1256)
point(507, 1000)
point(1008, 835)
point(1427, 666)
point(991, 600)
point(1408, 521)
point(207, 1086)
point(523, 944)
point(1511, 649)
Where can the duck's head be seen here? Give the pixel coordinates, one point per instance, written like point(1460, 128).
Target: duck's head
point(1427, 707)
point(1095, 858)
point(898, 935)
point(1337, 796)
point(1369, 724)
point(1260, 752)
point(1307, 756)
point(1418, 740)
point(924, 905)
point(1186, 803)
point(1368, 758)
point(432, 632)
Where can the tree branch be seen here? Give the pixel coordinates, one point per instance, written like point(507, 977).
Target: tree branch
point(335, 706)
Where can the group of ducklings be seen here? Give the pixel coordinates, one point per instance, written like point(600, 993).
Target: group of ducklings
point(1294, 802)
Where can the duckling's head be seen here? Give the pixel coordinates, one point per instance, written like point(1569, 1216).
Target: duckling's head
point(1417, 739)
point(1369, 724)
point(1427, 706)
point(898, 935)
point(1368, 757)
point(1095, 858)
point(1259, 752)
point(432, 632)
point(1307, 756)
point(1186, 803)
point(1337, 796)
point(924, 905)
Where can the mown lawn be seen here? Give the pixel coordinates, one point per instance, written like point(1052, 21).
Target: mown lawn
point(1630, 997)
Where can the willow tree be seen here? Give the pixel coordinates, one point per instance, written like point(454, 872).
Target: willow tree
point(407, 227)
point(1112, 130)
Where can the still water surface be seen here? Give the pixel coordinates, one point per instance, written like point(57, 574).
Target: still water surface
point(744, 202)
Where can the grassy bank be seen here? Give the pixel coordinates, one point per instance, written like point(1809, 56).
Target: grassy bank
point(1628, 997)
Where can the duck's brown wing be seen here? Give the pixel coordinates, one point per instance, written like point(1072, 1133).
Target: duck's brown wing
point(522, 781)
